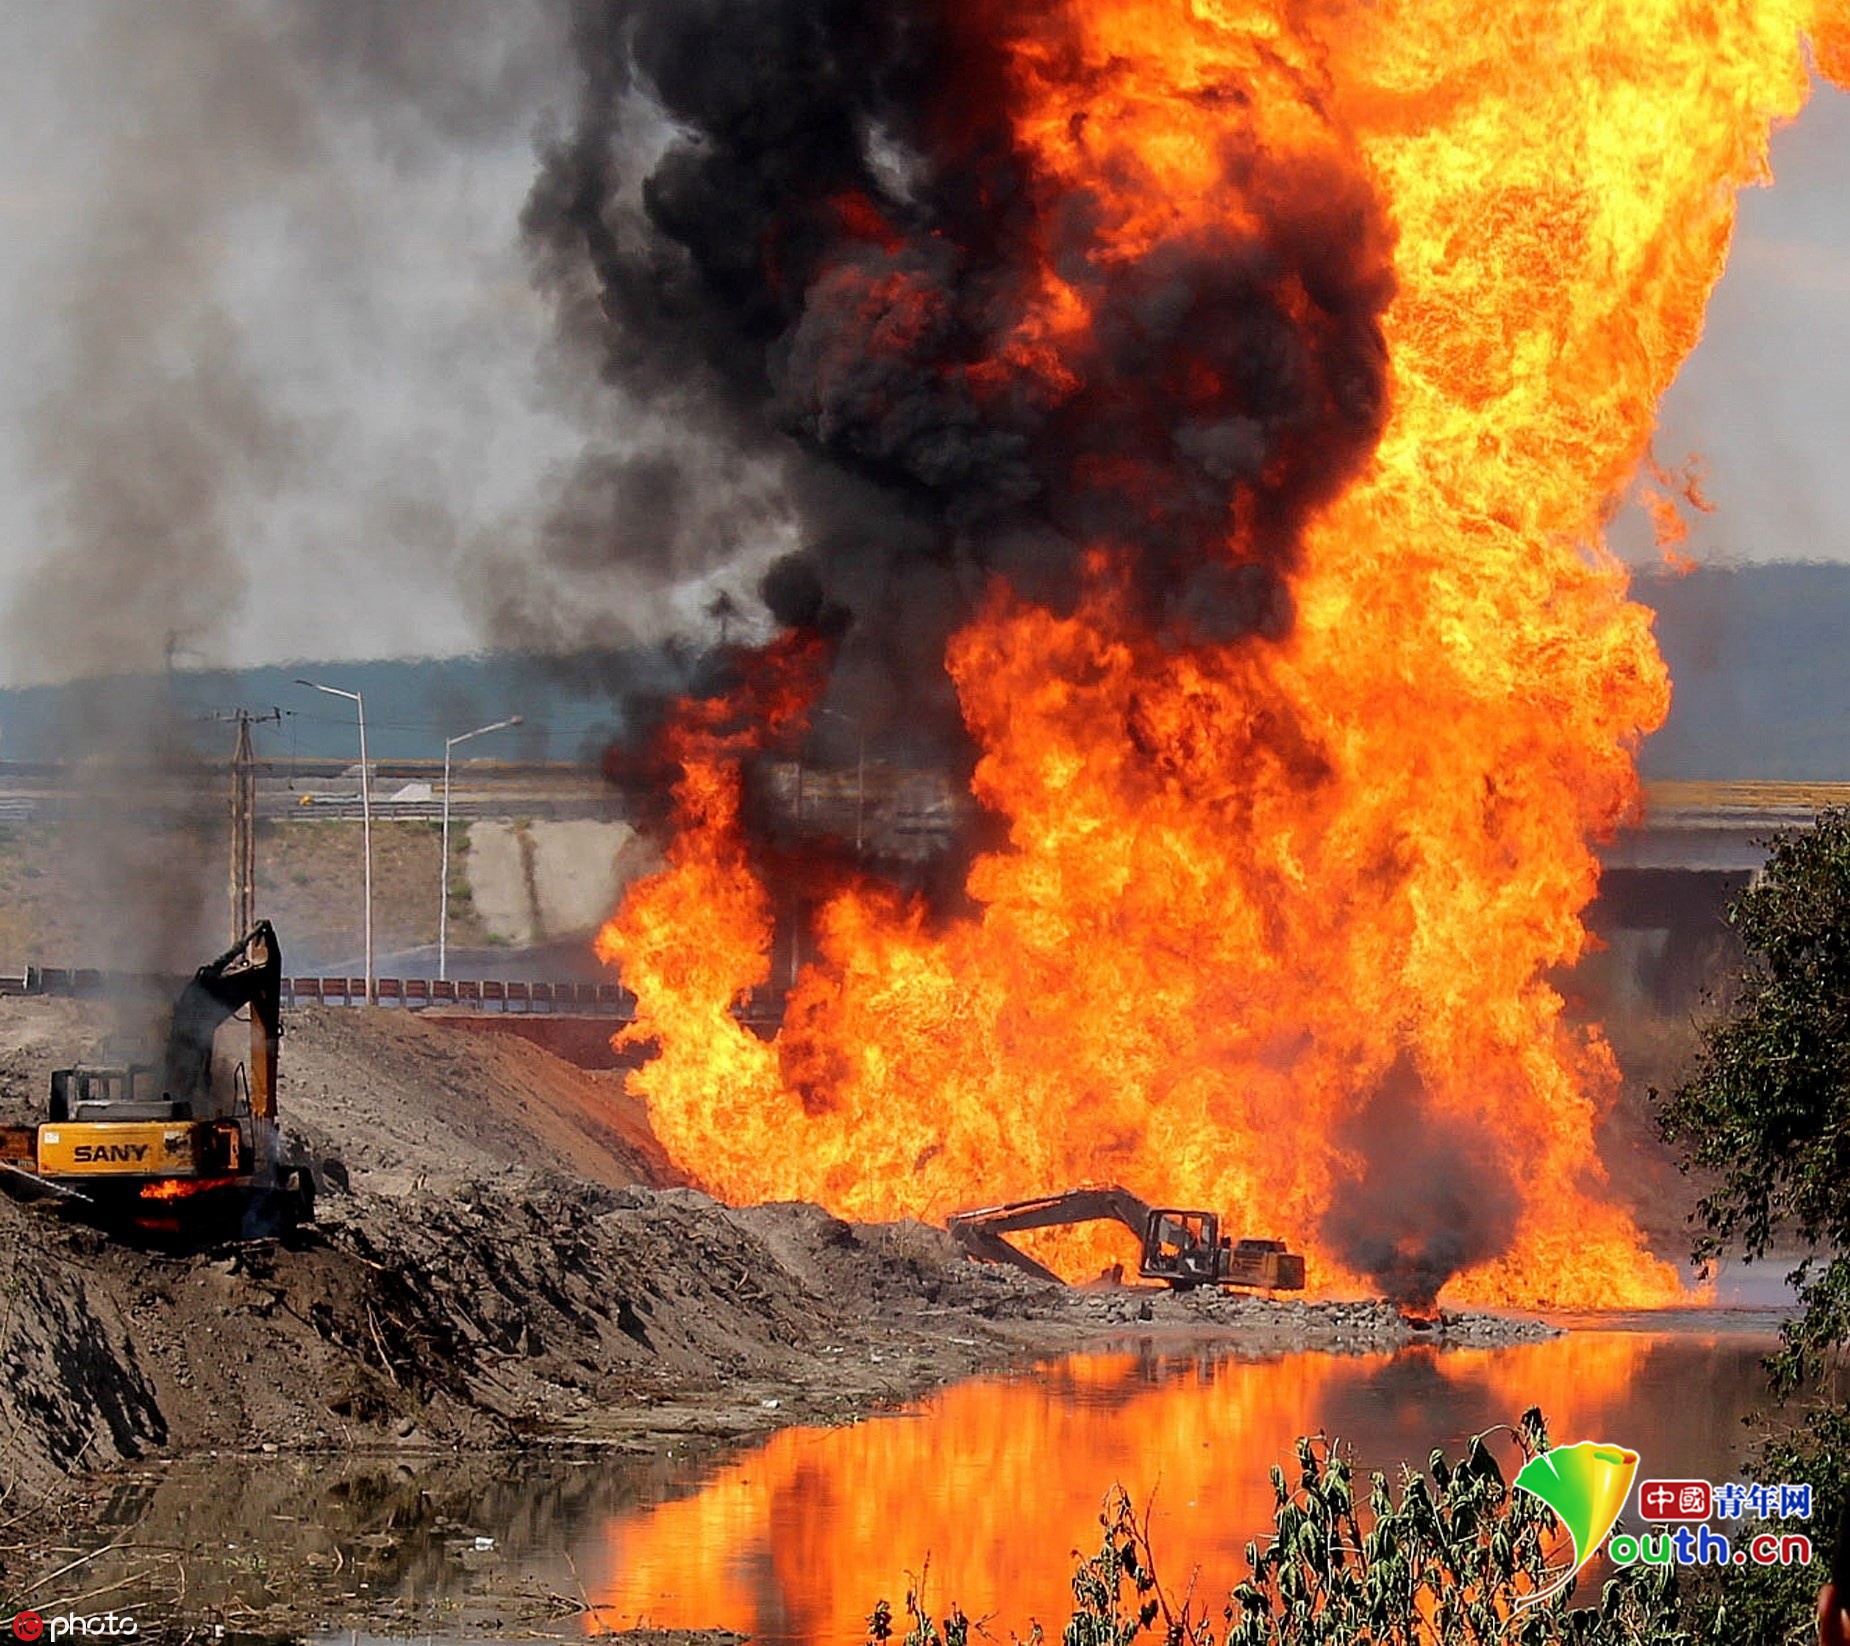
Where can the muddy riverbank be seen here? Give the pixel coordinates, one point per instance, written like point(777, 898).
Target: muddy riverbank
point(512, 1267)
point(789, 1537)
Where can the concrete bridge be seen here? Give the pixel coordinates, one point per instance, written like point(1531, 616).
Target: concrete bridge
point(1716, 828)
point(1666, 883)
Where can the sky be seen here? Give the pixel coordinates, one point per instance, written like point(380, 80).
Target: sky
point(353, 347)
point(332, 215)
point(1764, 402)
point(321, 204)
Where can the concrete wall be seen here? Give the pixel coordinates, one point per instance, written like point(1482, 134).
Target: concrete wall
point(537, 880)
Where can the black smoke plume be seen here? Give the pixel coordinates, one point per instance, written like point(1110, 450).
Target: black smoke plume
point(802, 231)
point(1434, 1196)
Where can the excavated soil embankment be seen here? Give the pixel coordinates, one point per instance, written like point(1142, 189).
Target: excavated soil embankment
point(514, 1262)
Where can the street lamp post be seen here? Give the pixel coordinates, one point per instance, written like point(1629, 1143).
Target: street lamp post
point(366, 819)
point(443, 879)
point(860, 774)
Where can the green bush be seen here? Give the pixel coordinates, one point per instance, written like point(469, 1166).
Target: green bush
point(1764, 1115)
point(1766, 1108)
point(1777, 1603)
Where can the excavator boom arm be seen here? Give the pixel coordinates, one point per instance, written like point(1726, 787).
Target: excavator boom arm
point(980, 1232)
point(248, 974)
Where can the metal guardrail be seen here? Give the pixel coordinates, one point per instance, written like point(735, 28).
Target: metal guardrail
point(474, 807)
point(412, 993)
point(81, 982)
point(487, 994)
point(319, 810)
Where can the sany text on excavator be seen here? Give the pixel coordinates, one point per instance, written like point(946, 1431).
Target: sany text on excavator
point(192, 1143)
point(1183, 1249)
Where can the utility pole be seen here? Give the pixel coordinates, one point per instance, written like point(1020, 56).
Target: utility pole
point(244, 820)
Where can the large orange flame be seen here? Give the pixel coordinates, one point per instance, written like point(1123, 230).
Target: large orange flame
point(1248, 887)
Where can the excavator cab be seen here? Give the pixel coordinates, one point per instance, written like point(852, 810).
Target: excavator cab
point(114, 1093)
point(1181, 1248)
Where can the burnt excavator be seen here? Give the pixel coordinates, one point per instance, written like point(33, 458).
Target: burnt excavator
point(1183, 1249)
point(190, 1145)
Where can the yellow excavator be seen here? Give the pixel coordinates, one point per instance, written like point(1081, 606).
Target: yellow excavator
point(1182, 1248)
point(191, 1144)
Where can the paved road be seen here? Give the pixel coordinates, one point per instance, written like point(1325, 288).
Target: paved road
point(1696, 827)
point(1717, 828)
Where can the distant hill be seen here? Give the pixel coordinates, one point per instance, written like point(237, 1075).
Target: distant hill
point(1759, 657)
point(572, 707)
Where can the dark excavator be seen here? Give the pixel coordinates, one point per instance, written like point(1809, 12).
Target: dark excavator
point(1183, 1249)
point(192, 1143)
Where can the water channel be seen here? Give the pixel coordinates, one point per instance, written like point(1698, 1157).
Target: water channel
point(992, 1483)
point(997, 1481)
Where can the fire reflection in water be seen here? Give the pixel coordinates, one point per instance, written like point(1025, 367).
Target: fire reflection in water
point(997, 1482)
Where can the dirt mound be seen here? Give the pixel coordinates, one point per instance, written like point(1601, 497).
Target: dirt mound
point(402, 1099)
point(38, 1035)
point(879, 1266)
point(512, 1261)
point(481, 1174)
point(396, 1097)
point(73, 1389)
point(473, 1315)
